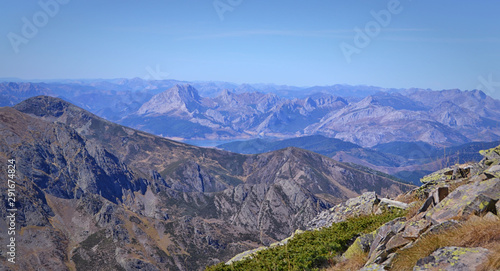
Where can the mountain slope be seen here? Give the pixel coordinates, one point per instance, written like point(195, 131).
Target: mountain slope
point(452, 222)
point(98, 194)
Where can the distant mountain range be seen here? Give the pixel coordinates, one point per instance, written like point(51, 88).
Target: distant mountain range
point(408, 161)
point(367, 117)
point(94, 195)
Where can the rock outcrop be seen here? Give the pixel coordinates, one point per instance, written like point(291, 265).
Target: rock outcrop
point(451, 199)
point(452, 222)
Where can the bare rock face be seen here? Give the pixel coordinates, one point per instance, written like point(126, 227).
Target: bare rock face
point(96, 195)
point(472, 199)
point(362, 205)
point(381, 246)
point(181, 100)
point(453, 259)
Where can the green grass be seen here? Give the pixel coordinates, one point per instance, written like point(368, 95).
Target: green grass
point(311, 250)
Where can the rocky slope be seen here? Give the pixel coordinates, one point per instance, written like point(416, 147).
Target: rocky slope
point(452, 222)
point(96, 195)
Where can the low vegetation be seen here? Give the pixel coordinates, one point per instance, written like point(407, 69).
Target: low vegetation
point(472, 233)
point(311, 250)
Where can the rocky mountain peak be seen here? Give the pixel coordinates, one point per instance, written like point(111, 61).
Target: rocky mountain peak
point(180, 99)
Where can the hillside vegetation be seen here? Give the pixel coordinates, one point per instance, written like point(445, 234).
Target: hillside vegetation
point(450, 223)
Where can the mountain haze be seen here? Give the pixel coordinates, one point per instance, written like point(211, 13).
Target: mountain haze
point(101, 195)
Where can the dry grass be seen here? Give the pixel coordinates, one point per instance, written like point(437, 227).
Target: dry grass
point(472, 233)
point(413, 209)
point(493, 260)
point(355, 262)
point(408, 197)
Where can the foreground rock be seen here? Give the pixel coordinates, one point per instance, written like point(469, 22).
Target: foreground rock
point(454, 259)
point(451, 197)
point(452, 223)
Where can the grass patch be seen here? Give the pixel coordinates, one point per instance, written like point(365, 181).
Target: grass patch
point(472, 233)
point(355, 262)
point(311, 250)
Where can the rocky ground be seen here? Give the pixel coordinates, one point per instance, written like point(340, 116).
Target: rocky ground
point(452, 223)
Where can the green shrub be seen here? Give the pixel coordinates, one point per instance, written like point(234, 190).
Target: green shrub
point(311, 250)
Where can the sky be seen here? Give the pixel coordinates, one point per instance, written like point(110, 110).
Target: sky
point(391, 43)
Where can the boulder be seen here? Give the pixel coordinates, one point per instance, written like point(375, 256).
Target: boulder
point(453, 259)
point(379, 249)
point(362, 205)
point(494, 170)
point(429, 203)
point(491, 217)
point(245, 255)
point(387, 204)
point(441, 227)
point(414, 229)
point(373, 267)
point(440, 193)
point(491, 156)
point(474, 198)
point(361, 244)
point(449, 173)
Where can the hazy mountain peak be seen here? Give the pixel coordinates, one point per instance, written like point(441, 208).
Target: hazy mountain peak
point(179, 98)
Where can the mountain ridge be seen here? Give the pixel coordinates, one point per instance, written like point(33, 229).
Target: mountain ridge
point(225, 111)
point(161, 203)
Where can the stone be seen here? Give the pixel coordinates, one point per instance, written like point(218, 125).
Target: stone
point(386, 204)
point(244, 255)
point(429, 203)
point(414, 229)
point(373, 267)
point(396, 242)
point(362, 205)
point(390, 258)
point(361, 244)
point(491, 156)
point(453, 259)
point(493, 170)
point(440, 193)
point(491, 217)
point(479, 206)
point(378, 250)
point(473, 198)
point(441, 227)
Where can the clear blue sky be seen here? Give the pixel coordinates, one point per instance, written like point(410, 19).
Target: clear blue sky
point(426, 44)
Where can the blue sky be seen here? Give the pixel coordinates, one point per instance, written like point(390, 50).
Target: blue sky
point(425, 44)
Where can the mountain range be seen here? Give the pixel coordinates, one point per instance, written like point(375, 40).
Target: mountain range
point(93, 194)
point(408, 161)
point(367, 117)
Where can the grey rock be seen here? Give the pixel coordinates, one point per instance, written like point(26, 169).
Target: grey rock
point(362, 205)
point(440, 193)
point(474, 198)
point(379, 250)
point(441, 227)
point(413, 229)
point(453, 259)
point(373, 267)
point(387, 204)
point(429, 203)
